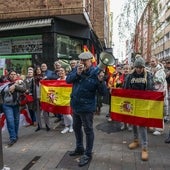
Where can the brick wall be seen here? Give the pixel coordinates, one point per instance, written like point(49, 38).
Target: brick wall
point(19, 9)
point(98, 22)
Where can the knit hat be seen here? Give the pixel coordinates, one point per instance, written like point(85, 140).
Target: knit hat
point(85, 55)
point(139, 62)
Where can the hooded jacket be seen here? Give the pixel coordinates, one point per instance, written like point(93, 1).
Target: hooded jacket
point(159, 78)
point(143, 81)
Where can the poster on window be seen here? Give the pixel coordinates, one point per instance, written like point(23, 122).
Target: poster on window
point(21, 45)
point(2, 63)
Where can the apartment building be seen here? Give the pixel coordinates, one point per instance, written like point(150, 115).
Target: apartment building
point(152, 36)
point(143, 34)
point(37, 31)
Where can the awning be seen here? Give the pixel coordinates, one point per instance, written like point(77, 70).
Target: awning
point(25, 24)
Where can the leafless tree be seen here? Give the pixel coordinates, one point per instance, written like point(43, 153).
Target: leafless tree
point(130, 15)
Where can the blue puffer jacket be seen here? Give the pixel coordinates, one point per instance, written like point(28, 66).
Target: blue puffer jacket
point(85, 86)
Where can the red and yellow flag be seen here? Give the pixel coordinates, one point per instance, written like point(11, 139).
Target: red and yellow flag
point(55, 96)
point(137, 107)
point(110, 70)
point(94, 61)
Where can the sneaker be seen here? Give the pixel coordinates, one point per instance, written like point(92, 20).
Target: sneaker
point(65, 130)
point(130, 128)
point(11, 142)
point(122, 126)
point(166, 120)
point(167, 140)
point(134, 144)
point(144, 155)
point(157, 133)
point(108, 115)
point(71, 129)
point(47, 128)
point(38, 128)
point(109, 119)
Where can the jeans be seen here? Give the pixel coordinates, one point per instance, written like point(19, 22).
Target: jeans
point(85, 120)
point(12, 118)
point(143, 135)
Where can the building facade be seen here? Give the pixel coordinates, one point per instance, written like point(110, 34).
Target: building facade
point(152, 35)
point(42, 31)
point(161, 34)
point(143, 33)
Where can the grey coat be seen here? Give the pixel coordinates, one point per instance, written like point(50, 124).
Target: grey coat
point(12, 98)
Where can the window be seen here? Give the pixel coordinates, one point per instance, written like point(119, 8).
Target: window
point(21, 45)
point(68, 48)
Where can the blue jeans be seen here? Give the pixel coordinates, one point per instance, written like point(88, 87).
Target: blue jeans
point(142, 131)
point(12, 118)
point(85, 120)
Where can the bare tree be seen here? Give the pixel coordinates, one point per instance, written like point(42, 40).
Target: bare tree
point(130, 15)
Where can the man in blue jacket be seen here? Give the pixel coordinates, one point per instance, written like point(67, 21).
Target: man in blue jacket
point(87, 80)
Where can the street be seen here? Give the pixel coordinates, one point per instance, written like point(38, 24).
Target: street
point(44, 150)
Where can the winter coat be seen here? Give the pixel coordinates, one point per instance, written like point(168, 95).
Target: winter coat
point(30, 85)
point(143, 81)
point(85, 86)
point(12, 98)
point(159, 78)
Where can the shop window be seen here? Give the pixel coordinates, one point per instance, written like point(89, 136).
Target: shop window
point(19, 63)
point(21, 44)
point(68, 48)
point(16, 52)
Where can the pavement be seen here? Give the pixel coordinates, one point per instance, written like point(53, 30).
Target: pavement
point(44, 150)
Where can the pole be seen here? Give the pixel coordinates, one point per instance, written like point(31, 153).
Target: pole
point(1, 150)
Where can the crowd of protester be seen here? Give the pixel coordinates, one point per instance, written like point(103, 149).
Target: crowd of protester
point(87, 84)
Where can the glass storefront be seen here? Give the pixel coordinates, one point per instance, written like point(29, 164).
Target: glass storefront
point(68, 48)
point(19, 52)
point(21, 45)
point(16, 52)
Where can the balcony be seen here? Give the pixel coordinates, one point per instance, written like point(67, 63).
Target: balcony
point(167, 14)
point(167, 44)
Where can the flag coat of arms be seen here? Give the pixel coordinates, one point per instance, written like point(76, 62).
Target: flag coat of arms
point(137, 107)
point(55, 96)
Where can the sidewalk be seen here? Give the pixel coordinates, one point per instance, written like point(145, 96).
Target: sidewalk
point(110, 149)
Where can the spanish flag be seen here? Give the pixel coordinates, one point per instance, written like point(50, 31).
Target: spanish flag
point(55, 96)
point(110, 70)
point(137, 107)
point(94, 60)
